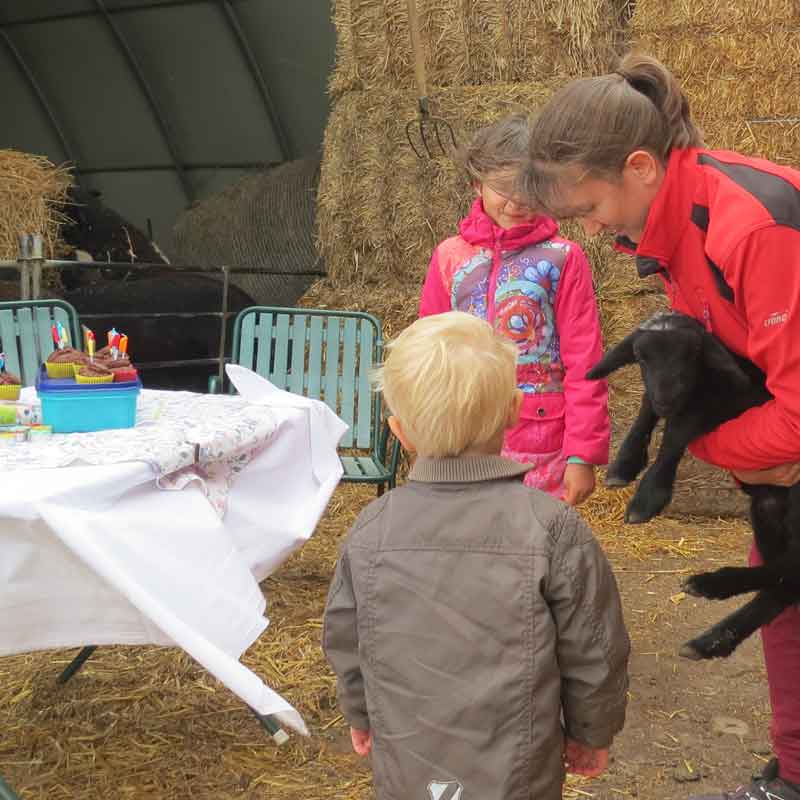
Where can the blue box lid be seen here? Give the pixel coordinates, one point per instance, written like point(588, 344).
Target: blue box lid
point(45, 384)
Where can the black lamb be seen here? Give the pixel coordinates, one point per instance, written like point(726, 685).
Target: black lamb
point(695, 383)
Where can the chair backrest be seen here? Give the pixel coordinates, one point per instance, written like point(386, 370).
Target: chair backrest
point(327, 355)
point(25, 333)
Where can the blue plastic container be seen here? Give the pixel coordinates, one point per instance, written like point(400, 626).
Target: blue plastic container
point(72, 407)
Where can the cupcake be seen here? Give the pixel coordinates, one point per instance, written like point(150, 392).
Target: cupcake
point(93, 373)
point(103, 354)
point(9, 386)
point(122, 368)
point(61, 363)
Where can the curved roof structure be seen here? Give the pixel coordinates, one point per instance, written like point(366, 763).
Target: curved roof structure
point(159, 103)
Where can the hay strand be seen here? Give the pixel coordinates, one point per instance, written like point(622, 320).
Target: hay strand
point(32, 190)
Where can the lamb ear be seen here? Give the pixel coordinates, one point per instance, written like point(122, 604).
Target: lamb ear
point(719, 359)
point(618, 356)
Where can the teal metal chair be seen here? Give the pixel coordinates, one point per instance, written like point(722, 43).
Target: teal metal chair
point(25, 333)
point(6, 792)
point(328, 356)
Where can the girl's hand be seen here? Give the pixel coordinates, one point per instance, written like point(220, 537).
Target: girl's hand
point(362, 741)
point(580, 759)
point(782, 475)
point(579, 483)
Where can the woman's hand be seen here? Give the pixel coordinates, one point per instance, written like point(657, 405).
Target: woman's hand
point(578, 482)
point(362, 741)
point(580, 759)
point(782, 475)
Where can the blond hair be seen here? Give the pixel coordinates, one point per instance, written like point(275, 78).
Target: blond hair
point(591, 126)
point(450, 380)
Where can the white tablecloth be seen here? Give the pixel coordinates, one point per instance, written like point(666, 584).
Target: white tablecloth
point(99, 554)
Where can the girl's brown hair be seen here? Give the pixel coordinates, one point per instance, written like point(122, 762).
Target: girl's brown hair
point(593, 124)
point(498, 148)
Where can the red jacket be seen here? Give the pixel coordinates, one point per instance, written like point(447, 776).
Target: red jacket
point(724, 235)
point(536, 288)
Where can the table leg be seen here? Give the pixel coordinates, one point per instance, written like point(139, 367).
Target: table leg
point(75, 665)
point(273, 728)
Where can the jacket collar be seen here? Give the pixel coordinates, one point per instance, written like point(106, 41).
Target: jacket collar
point(465, 469)
point(478, 228)
point(668, 217)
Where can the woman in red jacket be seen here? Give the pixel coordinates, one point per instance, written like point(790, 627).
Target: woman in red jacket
point(621, 154)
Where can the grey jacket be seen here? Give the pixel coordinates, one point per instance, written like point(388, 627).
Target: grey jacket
point(467, 614)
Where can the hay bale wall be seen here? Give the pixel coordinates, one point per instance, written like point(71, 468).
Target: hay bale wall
point(382, 210)
point(484, 41)
point(32, 190)
point(263, 221)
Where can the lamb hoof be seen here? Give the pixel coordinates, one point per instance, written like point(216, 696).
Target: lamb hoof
point(717, 643)
point(688, 651)
point(718, 585)
point(637, 517)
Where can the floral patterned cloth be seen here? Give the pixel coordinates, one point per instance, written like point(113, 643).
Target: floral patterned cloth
point(184, 437)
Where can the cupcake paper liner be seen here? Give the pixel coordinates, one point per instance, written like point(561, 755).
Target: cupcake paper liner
point(61, 370)
point(9, 391)
point(94, 379)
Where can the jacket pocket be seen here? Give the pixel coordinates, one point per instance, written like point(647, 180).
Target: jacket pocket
point(541, 424)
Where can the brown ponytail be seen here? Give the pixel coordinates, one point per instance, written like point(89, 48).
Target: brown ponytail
point(593, 124)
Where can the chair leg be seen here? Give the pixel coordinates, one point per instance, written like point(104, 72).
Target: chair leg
point(278, 734)
point(6, 792)
point(380, 489)
point(75, 665)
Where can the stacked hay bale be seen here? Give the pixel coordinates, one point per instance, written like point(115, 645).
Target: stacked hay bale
point(32, 192)
point(381, 209)
point(737, 61)
point(264, 221)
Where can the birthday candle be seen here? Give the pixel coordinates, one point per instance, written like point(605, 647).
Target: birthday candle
point(123, 344)
point(54, 331)
point(2, 362)
point(90, 344)
point(86, 334)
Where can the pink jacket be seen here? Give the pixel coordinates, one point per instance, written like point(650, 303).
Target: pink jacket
point(537, 289)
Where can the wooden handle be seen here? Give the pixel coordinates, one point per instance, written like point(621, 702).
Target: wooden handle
point(416, 49)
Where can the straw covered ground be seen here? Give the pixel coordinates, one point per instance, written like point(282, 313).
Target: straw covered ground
point(147, 722)
point(32, 190)
point(485, 41)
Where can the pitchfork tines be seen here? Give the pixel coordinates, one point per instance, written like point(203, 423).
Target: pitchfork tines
point(431, 132)
point(430, 129)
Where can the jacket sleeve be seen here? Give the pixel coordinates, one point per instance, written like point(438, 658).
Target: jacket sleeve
point(767, 278)
point(435, 298)
point(587, 427)
point(593, 644)
point(340, 643)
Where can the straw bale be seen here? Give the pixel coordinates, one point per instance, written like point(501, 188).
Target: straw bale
point(776, 140)
point(380, 208)
point(472, 43)
point(716, 15)
point(32, 190)
point(736, 73)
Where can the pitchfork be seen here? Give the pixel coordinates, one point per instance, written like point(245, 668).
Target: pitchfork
point(429, 127)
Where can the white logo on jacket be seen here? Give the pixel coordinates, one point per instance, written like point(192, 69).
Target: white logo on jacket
point(445, 790)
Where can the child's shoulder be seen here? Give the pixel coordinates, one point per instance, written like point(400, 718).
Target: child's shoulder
point(454, 247)
point(566, 246)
